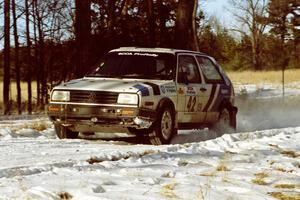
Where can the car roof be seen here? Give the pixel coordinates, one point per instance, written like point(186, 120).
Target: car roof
point(154, 50)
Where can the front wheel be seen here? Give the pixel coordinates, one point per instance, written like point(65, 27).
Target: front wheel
point(164, 127)
point(63, 132)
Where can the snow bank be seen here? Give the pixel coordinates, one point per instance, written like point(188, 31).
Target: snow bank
point(250, 165)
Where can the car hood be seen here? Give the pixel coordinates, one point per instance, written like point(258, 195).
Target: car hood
point(145, 86)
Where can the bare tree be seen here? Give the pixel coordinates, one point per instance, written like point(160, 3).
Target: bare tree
point(151, 23)
point(36, 61)
point(28, 55)
point(41, 53)
point(17, 63)
point(185, 29)
point(250, 13)
point(82, 33)
point(6, 82)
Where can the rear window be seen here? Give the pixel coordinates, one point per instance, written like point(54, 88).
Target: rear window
point(210, 71)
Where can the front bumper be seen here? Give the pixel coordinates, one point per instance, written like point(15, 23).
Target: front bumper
point(91, 118)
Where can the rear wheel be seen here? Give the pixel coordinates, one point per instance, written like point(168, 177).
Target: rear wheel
point(164, 127)
point(63, 132)
point(226, 122)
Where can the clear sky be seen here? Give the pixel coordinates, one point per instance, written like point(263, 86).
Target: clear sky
point(218, 8)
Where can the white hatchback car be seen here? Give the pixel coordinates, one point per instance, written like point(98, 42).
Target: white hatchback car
point(148, 91)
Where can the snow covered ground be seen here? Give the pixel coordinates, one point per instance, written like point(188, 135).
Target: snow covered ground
point(253, 164)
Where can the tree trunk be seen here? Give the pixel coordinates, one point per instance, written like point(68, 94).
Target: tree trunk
point(36, 55)
point(82, 33)
point(43, 78)
point(195, 40)
point(151, 23)
point(28, 56)
point(163, 36)
point(6, 82)
point(17, 64)
point(111, 6)
point(256, 51)
point(185, 25)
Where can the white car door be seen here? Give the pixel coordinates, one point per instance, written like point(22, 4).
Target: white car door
point(188, 90)
point(213, 82)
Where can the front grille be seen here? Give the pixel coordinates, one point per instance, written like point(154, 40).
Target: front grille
point(99, 97)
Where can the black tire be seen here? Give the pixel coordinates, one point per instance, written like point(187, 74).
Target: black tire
point(138, 132)
point(163, 129)
point(63, 132)
point(226, 122)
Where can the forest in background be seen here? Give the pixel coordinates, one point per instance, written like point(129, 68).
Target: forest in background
point(48, 42)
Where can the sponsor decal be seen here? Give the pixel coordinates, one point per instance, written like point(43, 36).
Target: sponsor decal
point(137, 54)
point(168, 89)
point(180, 91)
point(190, 91)
point(163, 90)
point(144, 90)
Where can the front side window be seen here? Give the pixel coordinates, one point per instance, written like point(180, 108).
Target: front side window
point(209, 70)
point(135, 65)
point(188, 70)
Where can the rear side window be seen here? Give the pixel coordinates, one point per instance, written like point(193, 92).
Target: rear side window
point(211, 74)
point(188, 70)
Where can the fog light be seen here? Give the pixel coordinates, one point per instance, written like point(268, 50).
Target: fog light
point(104, 110)
point(94, 119)
point(119, 110)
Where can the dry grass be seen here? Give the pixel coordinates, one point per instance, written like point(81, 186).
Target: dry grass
point(208, 174)
point(13, 91)
point(262, 175)
point(237, 77)
point(222, 168)
point(259, 181)
point(286, 186)
point(38, 126)
point(65, 196)
point(282, 196)
point(260, 178)
point(168, 191)
point(182, 163)
point(284, 170)
point(251, 77)
point(289, 153)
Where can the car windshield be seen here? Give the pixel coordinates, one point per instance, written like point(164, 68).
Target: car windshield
point(135, 65)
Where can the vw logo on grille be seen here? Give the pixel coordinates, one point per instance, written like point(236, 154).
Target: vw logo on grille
point(92, 97)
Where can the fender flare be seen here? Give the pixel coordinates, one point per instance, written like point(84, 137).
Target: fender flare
point(167, 102)
point(227, 104)
point(164, 102)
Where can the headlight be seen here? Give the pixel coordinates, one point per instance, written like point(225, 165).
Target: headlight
point(128, 99)
point(60, 95)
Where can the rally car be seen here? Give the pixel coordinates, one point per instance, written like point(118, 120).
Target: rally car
point(152, 92)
